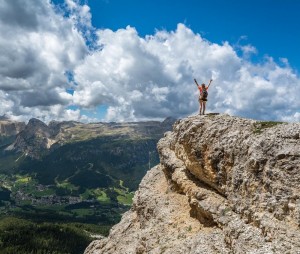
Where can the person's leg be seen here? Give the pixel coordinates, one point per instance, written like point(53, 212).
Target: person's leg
point(203, 106)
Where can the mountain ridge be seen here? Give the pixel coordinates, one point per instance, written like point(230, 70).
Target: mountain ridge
point(9, 127)
point(36, 138)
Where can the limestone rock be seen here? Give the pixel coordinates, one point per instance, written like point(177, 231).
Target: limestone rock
point(35, 139)
point(224, 185)
point(10, 128)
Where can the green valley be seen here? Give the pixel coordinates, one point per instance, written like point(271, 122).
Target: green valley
point(86, 176)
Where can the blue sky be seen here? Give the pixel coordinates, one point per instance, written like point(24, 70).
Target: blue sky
point(272, 26)
point(113, 60)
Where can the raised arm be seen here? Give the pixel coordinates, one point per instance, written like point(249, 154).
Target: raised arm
point(209, 83)
point(196, 82)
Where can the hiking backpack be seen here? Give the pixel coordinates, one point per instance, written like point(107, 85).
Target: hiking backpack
point(204, 93)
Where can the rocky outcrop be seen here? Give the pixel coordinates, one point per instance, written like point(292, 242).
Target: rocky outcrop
point(224, 185)
point(34, 140)
point(10, 128)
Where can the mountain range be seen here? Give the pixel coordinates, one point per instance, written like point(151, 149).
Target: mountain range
point(74, 172)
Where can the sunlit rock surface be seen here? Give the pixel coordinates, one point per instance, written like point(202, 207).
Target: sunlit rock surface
point(224, 185)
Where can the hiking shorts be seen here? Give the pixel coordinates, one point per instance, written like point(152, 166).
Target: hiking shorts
point(202, 99)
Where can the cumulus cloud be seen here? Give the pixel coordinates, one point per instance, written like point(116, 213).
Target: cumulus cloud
point(37, 46)
point(136, 78)
point(152, 77)
point(149, 77)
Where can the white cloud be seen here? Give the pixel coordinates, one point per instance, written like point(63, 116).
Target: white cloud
point(37, 47)
point(137, 78)
point(79, 14)
point(248, 50)
point(153, 77)
point(46, 114)
point(159, 69)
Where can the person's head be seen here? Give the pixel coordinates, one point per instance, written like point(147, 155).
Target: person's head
point(203, 85)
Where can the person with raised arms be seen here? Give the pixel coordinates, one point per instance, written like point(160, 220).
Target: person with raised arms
point(203, 96)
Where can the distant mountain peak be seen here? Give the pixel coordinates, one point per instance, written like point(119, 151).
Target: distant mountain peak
point(10, 128)
point(35, 121)
point(37, 137)
point(169, 121)
point(4, 117)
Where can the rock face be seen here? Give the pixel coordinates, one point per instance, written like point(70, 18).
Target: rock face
point(224, 185)
point(10, 128)
point(34, 139)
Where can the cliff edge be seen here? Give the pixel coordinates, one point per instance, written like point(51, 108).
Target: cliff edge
point(224, 185)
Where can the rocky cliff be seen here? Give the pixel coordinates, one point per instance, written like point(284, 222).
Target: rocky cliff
point(224, 185)
point(10, 128)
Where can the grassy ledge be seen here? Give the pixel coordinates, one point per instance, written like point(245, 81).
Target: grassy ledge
point(260, 126)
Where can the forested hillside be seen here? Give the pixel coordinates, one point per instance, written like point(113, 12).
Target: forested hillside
point(70, 180)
